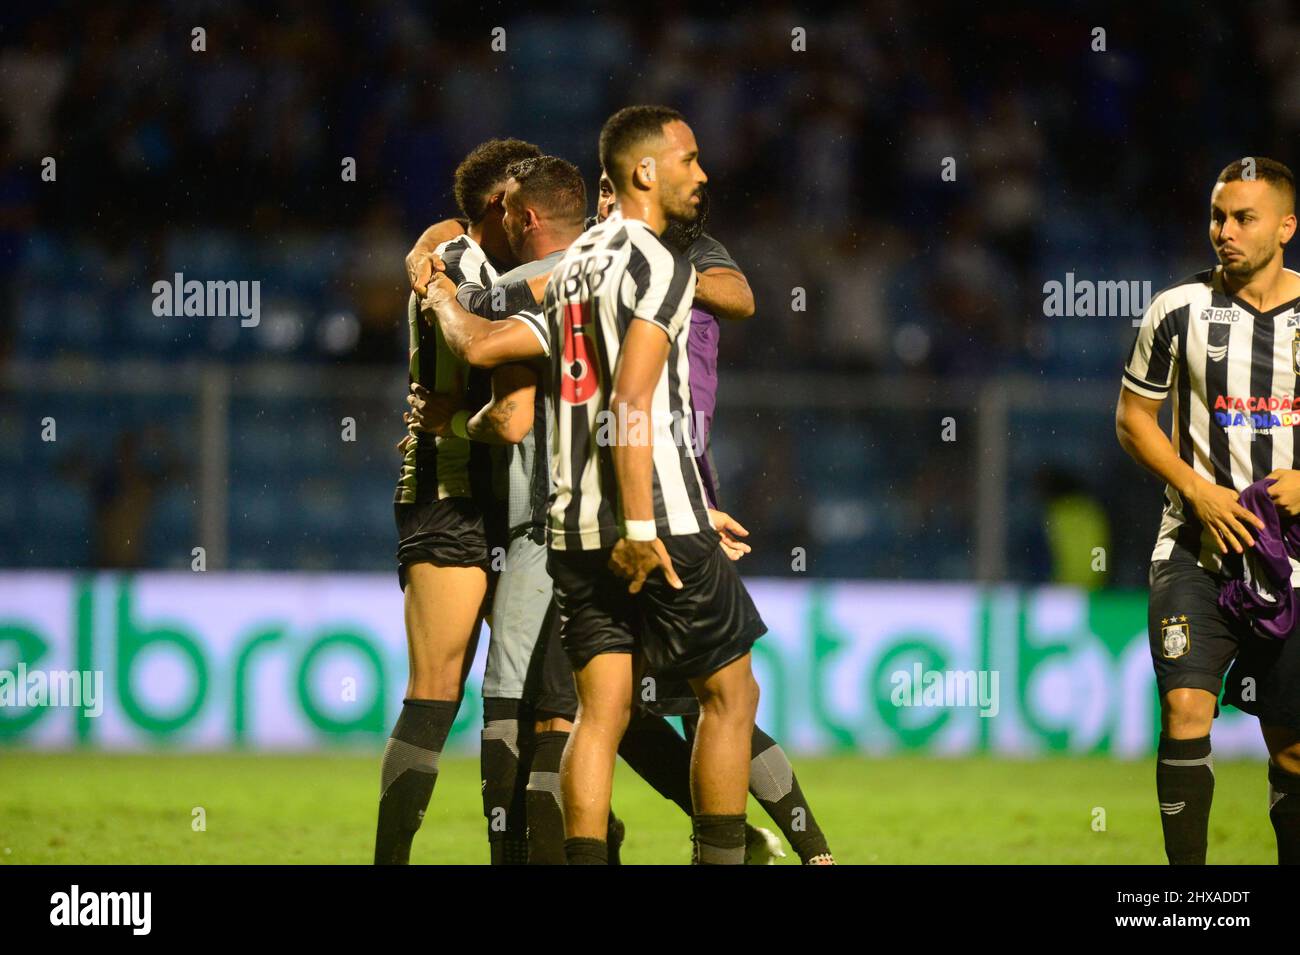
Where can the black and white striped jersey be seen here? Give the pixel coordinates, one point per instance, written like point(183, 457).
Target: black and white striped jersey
point(616, 272)
point(435, 468)
point(1232, 371)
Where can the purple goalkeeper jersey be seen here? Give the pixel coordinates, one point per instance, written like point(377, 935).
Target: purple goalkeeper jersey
point(705, 252)
point(702, 353)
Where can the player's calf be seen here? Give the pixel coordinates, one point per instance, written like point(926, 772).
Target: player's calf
point(1284, 791)
point(409, 772)
point(545, 808)
point(720, 762)
point(507, 742)
point(587, 772)
point(1185, 774)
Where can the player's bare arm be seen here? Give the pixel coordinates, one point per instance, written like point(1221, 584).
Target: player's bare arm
point(420, 260)
point(506, 419)
point(640, 363)
point(1138, 429)
point(725, 293)
point(474, 340)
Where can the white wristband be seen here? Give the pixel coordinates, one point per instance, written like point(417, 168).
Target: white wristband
point(640, 530)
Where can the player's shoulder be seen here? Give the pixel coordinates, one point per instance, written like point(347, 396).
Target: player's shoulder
point(705, 243)
point(597, 235)
point(650, 251)
point(706, 252)
point(1186, 291)
point(461, 243)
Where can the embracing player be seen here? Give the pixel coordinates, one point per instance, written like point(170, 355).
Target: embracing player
point(1225, 343)
point(443, 549)
point(650, 746)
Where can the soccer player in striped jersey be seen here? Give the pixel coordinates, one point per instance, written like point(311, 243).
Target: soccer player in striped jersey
point(443, 540)
point(721, 292)
point(1225, 344)
point(629, 503)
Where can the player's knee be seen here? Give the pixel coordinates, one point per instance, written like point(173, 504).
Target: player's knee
point(1187, 713)
point(733, 698)
point(610, 713)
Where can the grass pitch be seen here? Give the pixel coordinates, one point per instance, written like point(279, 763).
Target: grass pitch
point(98, 808)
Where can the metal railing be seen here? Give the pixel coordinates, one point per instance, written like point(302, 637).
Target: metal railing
point(212, 387)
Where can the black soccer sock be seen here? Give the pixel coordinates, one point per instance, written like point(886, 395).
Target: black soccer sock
point(409, 771)
point(775, 786)
point(614, 832)
point(507, 737)
point(1185, 788)
point(719, 840)
point(581, 851)
point(659, 755)
point(1284, 813)
point(546, 845)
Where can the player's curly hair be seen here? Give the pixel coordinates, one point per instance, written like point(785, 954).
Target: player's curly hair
point(629, 127)
point(552, 184)
point(483, 169)
point(1261, 167)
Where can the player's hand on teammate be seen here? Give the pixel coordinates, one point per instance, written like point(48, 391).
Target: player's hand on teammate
point(420, 267)
point(1226, 519)
point(1285, 491)
point(431, 411)
point(730, 529)
point(441, 290)
point(636, 560)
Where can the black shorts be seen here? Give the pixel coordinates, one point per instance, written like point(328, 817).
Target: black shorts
point(1265, 679)
point(1193, 643)
point(550, 687)
point(691, 632)
point(670, 697)
point(445, 533)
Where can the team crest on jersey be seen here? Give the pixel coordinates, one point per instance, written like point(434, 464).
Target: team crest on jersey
point(1295, 352)
point(1175, 636)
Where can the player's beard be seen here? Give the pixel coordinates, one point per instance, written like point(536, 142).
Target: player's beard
point(1245, 266)
point(682, 208)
